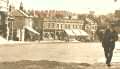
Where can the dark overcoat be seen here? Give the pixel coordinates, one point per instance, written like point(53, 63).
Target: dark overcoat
point(109, 39)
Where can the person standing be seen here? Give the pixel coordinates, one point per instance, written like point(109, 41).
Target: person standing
point(108, 43)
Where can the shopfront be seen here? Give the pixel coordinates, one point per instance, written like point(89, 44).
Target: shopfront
point(3, 25)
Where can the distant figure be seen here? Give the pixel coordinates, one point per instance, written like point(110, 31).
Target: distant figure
point(108, 43)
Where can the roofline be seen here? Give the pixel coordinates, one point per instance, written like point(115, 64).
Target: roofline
point(26, 15)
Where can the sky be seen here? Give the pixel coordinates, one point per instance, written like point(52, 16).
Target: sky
point(77, 6)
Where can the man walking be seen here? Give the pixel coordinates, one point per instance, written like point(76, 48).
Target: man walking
point(108, 43)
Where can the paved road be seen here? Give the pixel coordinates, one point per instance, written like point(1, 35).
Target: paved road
point(64, 52)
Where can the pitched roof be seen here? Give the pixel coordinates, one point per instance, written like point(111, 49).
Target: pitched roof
point(17, 12)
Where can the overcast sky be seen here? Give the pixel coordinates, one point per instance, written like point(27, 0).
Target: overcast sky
point(78, 6)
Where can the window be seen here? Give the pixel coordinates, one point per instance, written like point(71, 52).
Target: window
point(73, 26)
point(52, 25)
point(57, 26)
point(48, 25)
point(80, 26)
point(65, 26)
point(76, 26)
point(69, 26)
point(94, 27)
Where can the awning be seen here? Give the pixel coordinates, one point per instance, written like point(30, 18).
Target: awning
point(76, 32)
point(69, 32)
point(83, 33)
point(79, 32)
point(32, 30)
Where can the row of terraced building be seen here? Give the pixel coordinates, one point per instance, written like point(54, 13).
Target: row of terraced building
point(51, 24)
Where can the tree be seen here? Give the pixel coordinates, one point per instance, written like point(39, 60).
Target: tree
point(81, 16)
point(117, 13)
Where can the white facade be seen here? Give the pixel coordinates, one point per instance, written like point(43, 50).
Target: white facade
point(28, 22)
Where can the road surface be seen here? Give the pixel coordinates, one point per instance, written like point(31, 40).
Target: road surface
point(63, 52)
point(90, 52)
point(79, 52)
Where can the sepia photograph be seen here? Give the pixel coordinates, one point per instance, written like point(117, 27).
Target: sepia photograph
point(59, 34)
